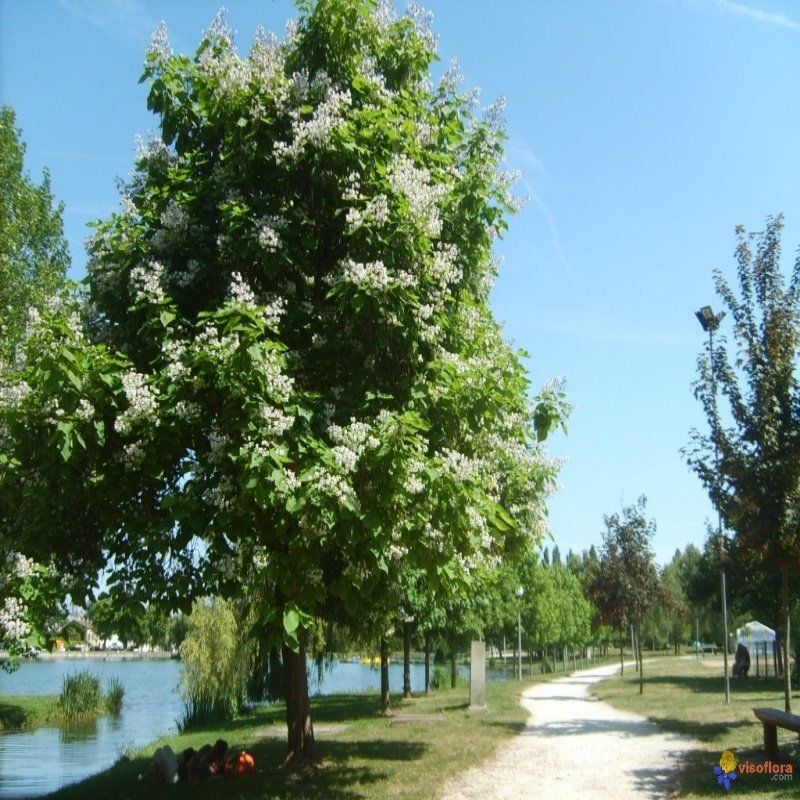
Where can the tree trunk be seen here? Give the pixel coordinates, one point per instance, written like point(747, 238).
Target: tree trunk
point(787, 672)
point(453, 666)
point(639, 656)
point(298, 709)
point(427, 662)
point(621, 653)
point(406, 660)
point(385, 698)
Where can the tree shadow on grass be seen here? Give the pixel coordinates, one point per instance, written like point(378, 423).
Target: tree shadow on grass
point(341, 770)
point(713, 684)
point(702, 731)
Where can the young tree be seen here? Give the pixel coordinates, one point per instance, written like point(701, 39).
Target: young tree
point(750, 459)
point(34, 254)
point(626, 582)
point(292, 387)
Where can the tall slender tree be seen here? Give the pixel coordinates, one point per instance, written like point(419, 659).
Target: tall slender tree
point(755, 481)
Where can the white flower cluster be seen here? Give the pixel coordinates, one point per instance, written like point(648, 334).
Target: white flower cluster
point(221, 494)
point(344, 458)
point(375, 210)
point(280, 384)
point(453, 77)
point(445, 269)
point(12, 395)
point(333, 485)
point(239, 291)
point(185, 409)
point(159, 50)
point(146, 282)
point(460, 466)
point(21, 566)
point(422, 21)
point(187, 276)
point(142, 402)
point(173, 351)
point(478, 523)
point(434, 536)
point(14, 626)
point(425, 134)
point(231, 73)
point(385, 14)
point(218, 346)
point(153, 149)
point(174, 218)
point(273, 311)
point(494, 114)
point(368, 69)
point(85, 410)
point(422, 195)
point(397, 552)
point(217, 446)
point(134, 454)
point(351, 441)
point(218, 32)
point(266, 59)
point(413, 483)
point(276, 422)
point(372, 275)
point(358, 436)
point(267, 229)
point(315, 131)
point(127, 205)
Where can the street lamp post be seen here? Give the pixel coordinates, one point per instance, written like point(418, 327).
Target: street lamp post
point(520, 591)
point(710, 322)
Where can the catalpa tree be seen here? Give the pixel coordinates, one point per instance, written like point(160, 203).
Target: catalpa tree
point(289, 385)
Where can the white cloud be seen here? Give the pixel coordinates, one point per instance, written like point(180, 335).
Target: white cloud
point(758, 14)
point(129, 17)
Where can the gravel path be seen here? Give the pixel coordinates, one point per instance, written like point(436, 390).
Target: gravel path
point(575, 746)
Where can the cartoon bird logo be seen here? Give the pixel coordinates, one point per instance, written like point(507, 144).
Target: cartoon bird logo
point(726, 771)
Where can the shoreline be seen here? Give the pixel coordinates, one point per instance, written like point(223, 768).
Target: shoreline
point(95, 655)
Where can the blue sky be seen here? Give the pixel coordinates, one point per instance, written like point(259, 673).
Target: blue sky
point(645, 130)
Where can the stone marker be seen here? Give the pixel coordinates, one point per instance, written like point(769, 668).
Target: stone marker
point(477, 677)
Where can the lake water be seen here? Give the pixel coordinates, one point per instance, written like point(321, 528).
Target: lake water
point(151, 707)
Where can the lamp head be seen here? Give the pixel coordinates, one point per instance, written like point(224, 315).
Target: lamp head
point(708, 319)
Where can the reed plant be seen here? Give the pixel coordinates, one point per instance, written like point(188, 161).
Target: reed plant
point(115, 692)
point(80, 695)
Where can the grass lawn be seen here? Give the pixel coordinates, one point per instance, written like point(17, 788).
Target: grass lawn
point(687, 696)
point(371, 758)
point(26, 712)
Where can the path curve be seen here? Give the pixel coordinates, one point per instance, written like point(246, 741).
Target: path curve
point(574, 745)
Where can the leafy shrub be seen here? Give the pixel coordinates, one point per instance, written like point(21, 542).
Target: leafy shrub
point(215, 661)
point(440, 678)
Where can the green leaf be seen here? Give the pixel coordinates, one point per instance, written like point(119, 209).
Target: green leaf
point(291, 620)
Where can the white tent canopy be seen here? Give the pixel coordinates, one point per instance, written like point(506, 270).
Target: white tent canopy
point(755, 634)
